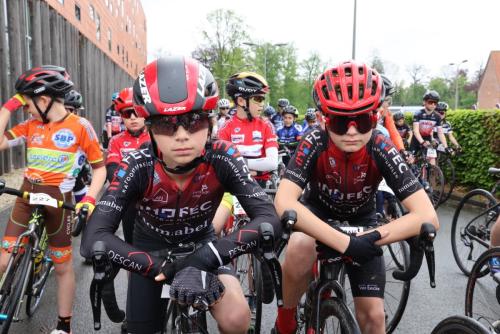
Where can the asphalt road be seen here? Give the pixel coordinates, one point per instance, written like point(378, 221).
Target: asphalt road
point(426, 306)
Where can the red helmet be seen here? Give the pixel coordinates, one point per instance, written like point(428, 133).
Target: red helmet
point(124, 99)
point(46, 79)
point(174, 86)
point(348, 89)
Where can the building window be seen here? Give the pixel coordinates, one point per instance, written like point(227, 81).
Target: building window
point(78, 12)
point(91, 12)
point(109, 39)
point(118, 48)
point(98, 26)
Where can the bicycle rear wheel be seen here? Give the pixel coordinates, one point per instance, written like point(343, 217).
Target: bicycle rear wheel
point(473, 218)
point(13, 287)
point(448, 170)
point(460, 324)
point(481, 301)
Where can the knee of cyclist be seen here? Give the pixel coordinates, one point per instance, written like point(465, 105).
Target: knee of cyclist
point(237, 321)
point(62, 268)
point(374, 317)
point(299, 259)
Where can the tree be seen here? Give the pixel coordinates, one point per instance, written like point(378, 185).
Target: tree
point(417, 73)
point(222, 52)
point(377, 64)
point(311, 68)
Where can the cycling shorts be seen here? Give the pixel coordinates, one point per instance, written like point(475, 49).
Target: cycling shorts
point(367, 280)
point(57, 222)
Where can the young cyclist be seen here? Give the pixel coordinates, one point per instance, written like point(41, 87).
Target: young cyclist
point(403, 129)
point(334, 174)
point(177, 184)
point(135, 136)
point(277, 119)
point(441, 109)
point(424, 123)
point(253, 136)
point(73, 102)
point(291, 132)
point(223, 115)
point(310, 120)
point(113, 124)
point(52, 134)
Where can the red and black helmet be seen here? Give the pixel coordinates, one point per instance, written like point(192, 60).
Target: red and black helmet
point(246, 84)
point(348, 89)
point(44, 80)
point(174, 86)
point(124, 100)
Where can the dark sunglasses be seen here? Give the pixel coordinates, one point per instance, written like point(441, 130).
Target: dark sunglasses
point(168, 125)
point(257, 98)
point(431, 102)
point(127, 113)
point(341, 124)
point(223, 108)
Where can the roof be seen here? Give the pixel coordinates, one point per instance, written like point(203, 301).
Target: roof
point(493, 61)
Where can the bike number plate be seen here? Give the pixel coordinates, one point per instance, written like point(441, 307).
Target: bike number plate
point(237, 208)
point(431, 153)
point(352, 230)
point(42, 199)
point(165, 291)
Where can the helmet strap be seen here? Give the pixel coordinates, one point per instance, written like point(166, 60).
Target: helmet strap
point(247, 109)
point(42, 114)
point(137, 133)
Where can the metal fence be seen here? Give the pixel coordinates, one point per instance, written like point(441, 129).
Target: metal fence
point(32, 34)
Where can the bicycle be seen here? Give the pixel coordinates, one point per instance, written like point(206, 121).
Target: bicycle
point(473, 218)
point(326, 296)
point(430, 176)
point(444, 162)
point(29, 265)
point(460, 324)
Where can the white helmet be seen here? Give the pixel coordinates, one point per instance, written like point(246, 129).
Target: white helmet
point(223, 103)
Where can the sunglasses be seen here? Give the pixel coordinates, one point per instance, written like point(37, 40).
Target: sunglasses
point(223, 108)
point(431, 102)
point(70, 109)
point(341, 124)
point(168, 125)
point(127, 113)
point(257, 99)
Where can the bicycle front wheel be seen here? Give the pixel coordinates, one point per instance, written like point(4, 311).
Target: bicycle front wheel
point(433, 175)
point(470, 228)
point(249, 274)
point(482, 296)
point(460, 324)
point(448, 170)
point(335, 317)
point(13, 287)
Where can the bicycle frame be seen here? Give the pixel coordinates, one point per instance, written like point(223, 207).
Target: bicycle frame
point(491, 220)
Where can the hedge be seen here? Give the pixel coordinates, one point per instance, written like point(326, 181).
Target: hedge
point(478, 132)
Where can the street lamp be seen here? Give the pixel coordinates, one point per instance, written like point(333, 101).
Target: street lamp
point(354, 31)
point(456, 80)
point(265, 45)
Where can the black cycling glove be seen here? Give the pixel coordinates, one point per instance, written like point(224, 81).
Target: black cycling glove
point(205, 258)
point(362, 248)
point(197, 288)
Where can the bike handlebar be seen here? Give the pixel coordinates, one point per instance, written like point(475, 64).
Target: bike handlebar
point(421, 245)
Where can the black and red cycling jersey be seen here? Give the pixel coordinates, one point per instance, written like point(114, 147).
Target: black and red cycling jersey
point(123, 143)
point(344, 184)
point(403, 130)
point(168, 215)
point(427, 122)
point(251, 138)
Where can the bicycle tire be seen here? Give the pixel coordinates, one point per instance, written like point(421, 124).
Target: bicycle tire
point(435, 179)
point(476, 272)
point(36, 285)
point(258, 282)
point(250, 276)
point(334, 307)
point(448, 170)
point(17, 285)
point(460, 324)
point(473, 196)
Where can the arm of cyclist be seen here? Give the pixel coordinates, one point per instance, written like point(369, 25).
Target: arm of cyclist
point(393, 132)
point(416, 133)
point(441, 136)
point(14, 103)
point(223, 213)
point(268, 163)
point(453, 140)
point(113, 158)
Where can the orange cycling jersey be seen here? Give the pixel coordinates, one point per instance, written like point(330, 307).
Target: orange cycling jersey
point(57, 151)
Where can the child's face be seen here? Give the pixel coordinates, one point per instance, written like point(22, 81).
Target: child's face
point(288, 119)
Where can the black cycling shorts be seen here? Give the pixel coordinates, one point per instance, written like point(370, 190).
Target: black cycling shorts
point(367, 280)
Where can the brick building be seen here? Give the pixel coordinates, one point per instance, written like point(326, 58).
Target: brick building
point(489, 87)
point(117, 27)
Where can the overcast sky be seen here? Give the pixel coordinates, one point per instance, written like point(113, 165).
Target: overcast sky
point(432, 33)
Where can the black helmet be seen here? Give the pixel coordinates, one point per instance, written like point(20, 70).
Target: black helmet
point(431, 95)
point(289, 109)
point(442, 107)
point(397, 116)
point(283, 103)
point(388, 86)
point(269, 111)
point(73, 99)
point(310, 114)
point(246, 84)
point(44, 80)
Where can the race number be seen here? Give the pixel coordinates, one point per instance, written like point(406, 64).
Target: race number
point(42, 199)
point(431, 153)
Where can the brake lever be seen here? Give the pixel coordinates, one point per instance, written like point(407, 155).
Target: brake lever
point(266, 233)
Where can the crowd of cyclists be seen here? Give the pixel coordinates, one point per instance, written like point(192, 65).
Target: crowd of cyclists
point(174, 150)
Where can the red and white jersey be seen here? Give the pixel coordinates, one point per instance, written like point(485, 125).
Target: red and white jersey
point(123, 143)
point(251, 138)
